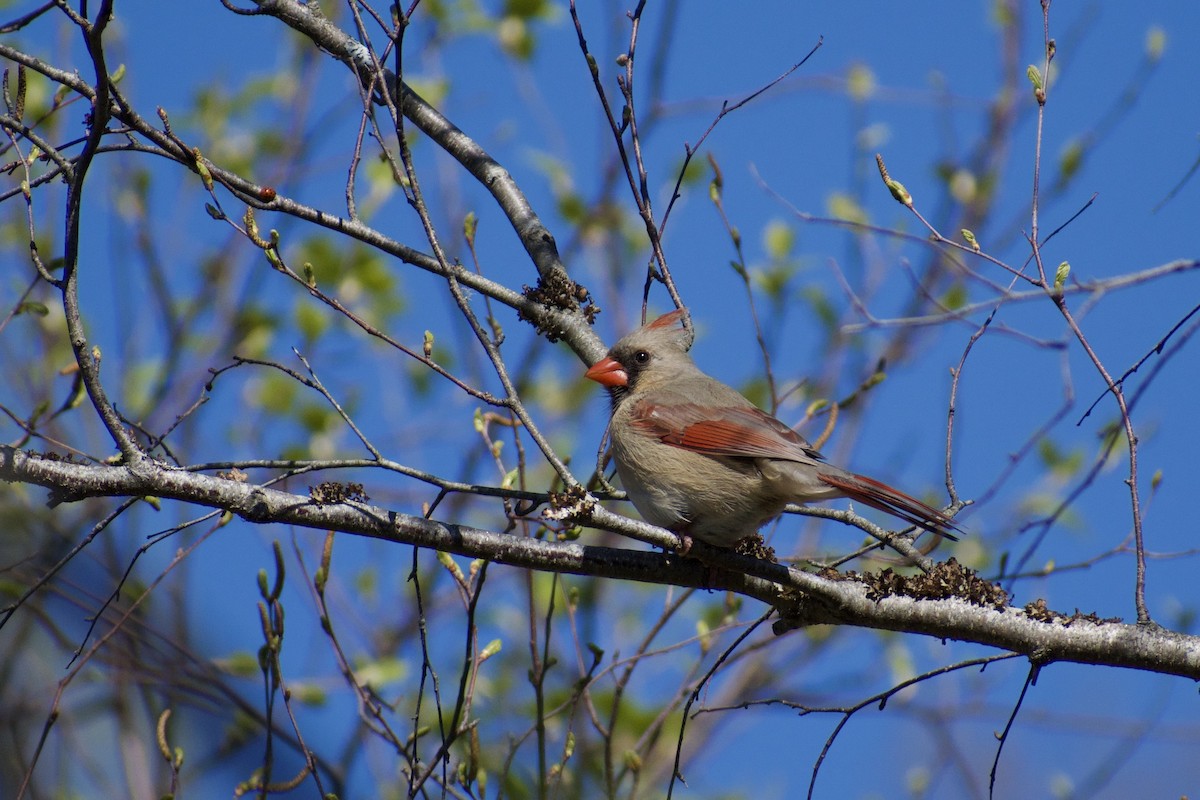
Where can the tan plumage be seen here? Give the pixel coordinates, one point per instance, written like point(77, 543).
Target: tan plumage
point(698, 458)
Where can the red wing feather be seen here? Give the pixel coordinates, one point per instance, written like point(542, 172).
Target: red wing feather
point(737, 432)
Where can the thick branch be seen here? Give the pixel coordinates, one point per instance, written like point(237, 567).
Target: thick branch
point(70, 481)
point(491, 175)
point(1080, 640)
point(570, 327)
point(803, 598)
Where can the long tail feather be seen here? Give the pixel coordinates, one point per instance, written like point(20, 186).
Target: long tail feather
point(876, 494)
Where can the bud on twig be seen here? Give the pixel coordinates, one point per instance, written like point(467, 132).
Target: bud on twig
point(895, 187)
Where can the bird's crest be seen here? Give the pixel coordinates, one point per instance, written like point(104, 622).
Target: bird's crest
point(684, 336)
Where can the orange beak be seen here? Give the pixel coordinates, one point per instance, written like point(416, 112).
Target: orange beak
point(608, 372)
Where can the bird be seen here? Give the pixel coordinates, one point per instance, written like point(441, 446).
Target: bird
point(699, 459)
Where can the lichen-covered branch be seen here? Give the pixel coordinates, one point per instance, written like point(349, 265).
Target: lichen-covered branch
point(950, 603)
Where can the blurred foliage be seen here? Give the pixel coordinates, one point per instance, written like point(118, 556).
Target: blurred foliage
point(189, 295)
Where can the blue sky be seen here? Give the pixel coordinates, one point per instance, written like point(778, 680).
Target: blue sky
point(936, 70)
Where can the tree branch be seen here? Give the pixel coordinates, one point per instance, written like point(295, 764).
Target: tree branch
point(535, 237)
point(803, 598)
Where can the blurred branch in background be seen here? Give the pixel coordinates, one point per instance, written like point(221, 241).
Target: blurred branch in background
point(315, 278)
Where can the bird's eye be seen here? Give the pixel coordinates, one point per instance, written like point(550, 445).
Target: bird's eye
point(641, 356)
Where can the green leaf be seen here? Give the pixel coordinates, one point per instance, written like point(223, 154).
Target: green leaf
point(381, 672)
point(778, 240)
point(516, 37)
point(310, 694)
point(1035, 77)
point(311, 320)
point(860, 82)
point(1070, 160)
point(33, 307)
point(843, 206)
point(240, 664)
point(955, 297)
point(1156, 42)
point(1060, 463)
point(1061, 274)
point(276, 394)
point(969, 238)
point(824, 310)
point(774, 281)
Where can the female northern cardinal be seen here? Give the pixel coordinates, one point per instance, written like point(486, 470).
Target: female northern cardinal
point(698, 458)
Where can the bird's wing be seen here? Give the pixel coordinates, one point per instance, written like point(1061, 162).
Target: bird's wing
point(733, 431)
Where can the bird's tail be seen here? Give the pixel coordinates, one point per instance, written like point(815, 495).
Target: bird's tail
point(876, 494)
